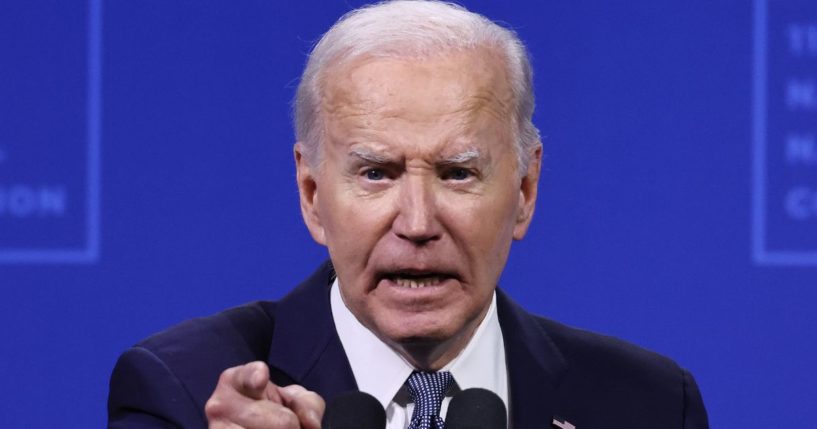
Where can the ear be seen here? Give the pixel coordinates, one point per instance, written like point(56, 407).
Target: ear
point(308, 190)
point(527, 194)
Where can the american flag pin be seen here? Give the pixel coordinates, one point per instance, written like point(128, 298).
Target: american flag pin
point(561, 423)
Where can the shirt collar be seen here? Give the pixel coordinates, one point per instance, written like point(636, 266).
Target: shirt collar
point(381, 371)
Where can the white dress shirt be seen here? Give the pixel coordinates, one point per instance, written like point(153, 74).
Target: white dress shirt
point(382, 372)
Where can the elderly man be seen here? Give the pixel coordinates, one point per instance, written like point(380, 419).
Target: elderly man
point(417, 165)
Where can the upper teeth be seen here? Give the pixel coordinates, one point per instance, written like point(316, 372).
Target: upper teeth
point(418, 282)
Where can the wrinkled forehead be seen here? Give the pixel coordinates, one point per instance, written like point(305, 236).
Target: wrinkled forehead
point(461, 81)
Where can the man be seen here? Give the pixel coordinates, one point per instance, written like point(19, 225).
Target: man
point(417, 165)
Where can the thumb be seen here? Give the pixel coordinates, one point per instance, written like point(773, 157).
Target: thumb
point(307, 405)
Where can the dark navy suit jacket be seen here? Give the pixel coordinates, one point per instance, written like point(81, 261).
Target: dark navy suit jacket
point(592, 381)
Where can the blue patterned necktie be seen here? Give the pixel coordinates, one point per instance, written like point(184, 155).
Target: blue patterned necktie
point(427, 390)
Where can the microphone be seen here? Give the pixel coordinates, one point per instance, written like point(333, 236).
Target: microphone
point(476, 408)
point(354, 410)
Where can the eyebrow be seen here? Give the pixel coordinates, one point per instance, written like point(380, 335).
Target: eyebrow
point(462, 157)
point(369, 156)
point(376, 158)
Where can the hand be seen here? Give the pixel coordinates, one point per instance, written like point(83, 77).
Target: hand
point(245, 398)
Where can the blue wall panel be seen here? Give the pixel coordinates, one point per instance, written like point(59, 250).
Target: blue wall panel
point(146, 177)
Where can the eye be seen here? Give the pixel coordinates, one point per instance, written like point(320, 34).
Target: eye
point(458, 174)
point(375, 174)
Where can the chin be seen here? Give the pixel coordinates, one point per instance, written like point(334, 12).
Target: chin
point(417, 333)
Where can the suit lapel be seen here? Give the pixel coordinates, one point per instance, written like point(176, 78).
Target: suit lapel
point(305, 345)
point(535, 366)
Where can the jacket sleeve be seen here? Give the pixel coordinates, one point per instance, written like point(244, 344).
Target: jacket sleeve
point(144, 393)
point(694, 412)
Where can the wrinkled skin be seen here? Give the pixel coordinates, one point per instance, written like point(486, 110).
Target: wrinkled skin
point(418, 195)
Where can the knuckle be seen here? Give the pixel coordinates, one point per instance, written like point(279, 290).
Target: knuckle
point(214, 408)
point(286, 418)
point(226, 376)
point(295, 389)
point(312, 397)
point(265, 414)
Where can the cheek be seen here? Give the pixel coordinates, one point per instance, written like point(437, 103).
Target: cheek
point(483, 222)
point(353, 225)
point(483, 231)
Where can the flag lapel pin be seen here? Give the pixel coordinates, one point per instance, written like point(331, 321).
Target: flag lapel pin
point(560, 423)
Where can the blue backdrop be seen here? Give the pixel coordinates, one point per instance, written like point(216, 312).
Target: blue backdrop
point(146, 177)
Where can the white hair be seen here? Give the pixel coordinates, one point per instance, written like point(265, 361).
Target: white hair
point(413, 28)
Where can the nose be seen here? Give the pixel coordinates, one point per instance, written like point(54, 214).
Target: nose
point(417, 217)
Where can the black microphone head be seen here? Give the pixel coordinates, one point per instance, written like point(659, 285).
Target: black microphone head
point(476, 409)
point(354, 410)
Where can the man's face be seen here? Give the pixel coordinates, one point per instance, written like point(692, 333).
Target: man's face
point(417, 195)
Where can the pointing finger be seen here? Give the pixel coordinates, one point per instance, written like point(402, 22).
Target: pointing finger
point(251, 379)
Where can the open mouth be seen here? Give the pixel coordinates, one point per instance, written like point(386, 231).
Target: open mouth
point(416, 280)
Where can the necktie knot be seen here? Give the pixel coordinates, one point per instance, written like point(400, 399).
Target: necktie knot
point(427, 390)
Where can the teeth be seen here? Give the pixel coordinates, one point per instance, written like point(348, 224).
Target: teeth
point(418, 282)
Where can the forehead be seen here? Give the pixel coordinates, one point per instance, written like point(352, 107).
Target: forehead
point(455, 85)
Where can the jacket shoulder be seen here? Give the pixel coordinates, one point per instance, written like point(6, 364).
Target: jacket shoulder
point(170, 375)
point(620, 378)
point(592, 350)
point(242, 332)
